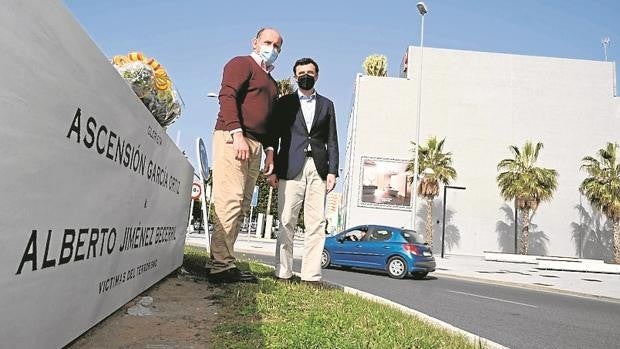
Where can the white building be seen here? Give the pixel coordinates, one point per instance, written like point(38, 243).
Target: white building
point(481, 103)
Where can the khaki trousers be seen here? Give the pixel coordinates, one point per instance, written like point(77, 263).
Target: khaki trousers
point(307, 188)
point(233, 185)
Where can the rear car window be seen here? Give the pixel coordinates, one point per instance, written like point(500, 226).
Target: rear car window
point(413, 237)
point(380, 235)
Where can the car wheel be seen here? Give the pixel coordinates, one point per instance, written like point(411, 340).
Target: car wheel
point(419, 275)
point(325, 259)
point(396, 267)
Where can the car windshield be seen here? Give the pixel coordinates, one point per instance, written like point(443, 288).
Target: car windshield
point(413, 237)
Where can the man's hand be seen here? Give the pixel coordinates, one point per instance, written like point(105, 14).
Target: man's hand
point(272, 180)
point(331, 182)
point(268, 167)
point(240, 146)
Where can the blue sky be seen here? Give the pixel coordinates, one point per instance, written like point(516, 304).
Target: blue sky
point(194, 39)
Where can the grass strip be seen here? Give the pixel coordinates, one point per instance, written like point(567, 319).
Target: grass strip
point(272, 314)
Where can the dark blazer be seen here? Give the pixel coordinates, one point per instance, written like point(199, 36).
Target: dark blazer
point(289, 136)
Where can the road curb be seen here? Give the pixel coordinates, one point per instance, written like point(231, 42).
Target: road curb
point(474, 339)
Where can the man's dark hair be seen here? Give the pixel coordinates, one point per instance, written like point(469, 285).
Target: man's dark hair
point(304, 61)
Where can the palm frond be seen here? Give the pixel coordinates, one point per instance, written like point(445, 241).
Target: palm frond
point(521, 179)
point(602, 186)
point(432, 156)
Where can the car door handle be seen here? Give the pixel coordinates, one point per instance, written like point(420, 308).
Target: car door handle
point(386, 247)
point(358, 246)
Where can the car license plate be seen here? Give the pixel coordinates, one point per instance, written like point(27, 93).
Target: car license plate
point(427, 253)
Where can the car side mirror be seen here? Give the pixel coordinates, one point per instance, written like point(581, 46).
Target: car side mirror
point(340, 239)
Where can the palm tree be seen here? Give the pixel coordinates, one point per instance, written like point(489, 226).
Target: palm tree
point(602, 187)
point(284, 87)
point(375, 65)
point(528, 185)
point(437, 167)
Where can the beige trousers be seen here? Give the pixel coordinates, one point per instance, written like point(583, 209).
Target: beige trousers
point(307, 188)
point(233, 185)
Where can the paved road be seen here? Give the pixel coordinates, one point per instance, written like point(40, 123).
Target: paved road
point(514, 317)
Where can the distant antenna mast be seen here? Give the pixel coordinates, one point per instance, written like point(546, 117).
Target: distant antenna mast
point(605, 41)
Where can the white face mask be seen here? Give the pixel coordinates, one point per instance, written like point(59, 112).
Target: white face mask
point(268, 54)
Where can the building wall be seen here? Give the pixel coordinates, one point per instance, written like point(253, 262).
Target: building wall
point(482, 103)
point(381, 126)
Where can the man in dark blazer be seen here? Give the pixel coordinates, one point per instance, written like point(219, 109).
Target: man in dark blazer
point(305, 143)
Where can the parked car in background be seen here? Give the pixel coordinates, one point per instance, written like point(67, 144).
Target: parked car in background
point(397, 251)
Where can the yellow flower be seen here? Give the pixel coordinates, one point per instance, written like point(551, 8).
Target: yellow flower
point(120, 60)
point(153, 63)
point(136, 56)
point(161, 72)
point(162, 83)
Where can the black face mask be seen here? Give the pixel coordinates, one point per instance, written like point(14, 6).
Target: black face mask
point(305, 82)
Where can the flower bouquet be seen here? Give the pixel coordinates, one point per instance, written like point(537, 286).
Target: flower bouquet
point(150, 82)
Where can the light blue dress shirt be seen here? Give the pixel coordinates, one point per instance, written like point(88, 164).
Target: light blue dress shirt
point(308, 107)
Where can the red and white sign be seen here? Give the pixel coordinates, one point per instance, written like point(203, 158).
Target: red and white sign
point(196, 190)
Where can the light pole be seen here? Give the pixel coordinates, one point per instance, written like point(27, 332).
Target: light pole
point(423, 10)
point(443, 227)
point(605, 42)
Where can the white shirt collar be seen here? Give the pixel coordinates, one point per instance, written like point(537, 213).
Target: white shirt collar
point(261, 63)
point(303, 96)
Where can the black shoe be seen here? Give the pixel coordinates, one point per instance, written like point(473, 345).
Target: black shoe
point(243, 272)
point(230, 276)
point(293, 279)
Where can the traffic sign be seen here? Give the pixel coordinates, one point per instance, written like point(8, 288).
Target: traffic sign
point(203, 159)
point(196, 190)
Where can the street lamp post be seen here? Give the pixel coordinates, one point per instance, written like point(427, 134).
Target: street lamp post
point(443, 228)
point(423, 10)
point(605, 42)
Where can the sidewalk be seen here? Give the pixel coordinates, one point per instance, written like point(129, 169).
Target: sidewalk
point(525, 275)
point(596, 285)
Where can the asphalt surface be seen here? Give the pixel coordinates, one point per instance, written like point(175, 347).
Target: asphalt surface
point(510, 316)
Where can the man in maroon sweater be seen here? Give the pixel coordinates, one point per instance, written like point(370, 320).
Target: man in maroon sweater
point(246, 98)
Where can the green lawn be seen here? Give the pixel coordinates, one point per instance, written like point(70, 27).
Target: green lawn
point(277, 315)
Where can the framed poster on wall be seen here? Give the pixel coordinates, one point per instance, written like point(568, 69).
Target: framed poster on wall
point(385, 183)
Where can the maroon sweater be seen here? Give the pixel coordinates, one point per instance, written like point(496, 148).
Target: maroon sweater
point(246, 98)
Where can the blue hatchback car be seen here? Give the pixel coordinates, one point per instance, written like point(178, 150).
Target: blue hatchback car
point(395, 250)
